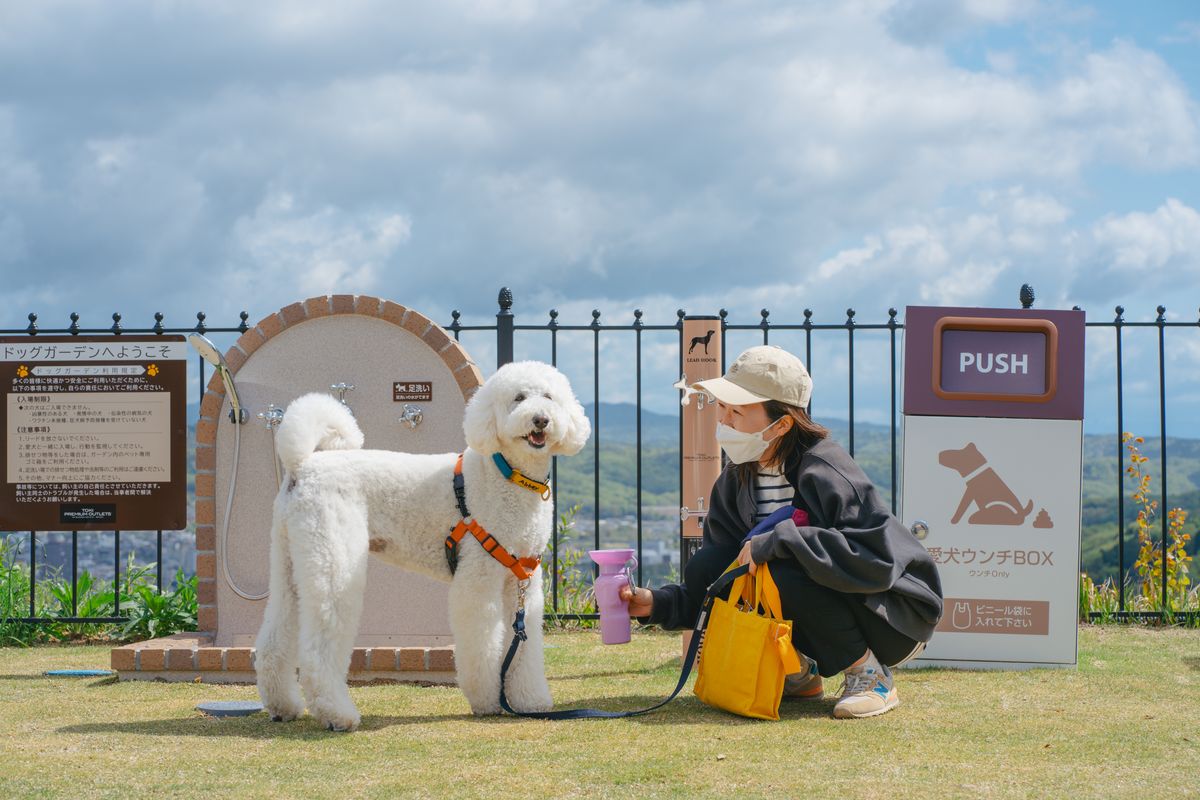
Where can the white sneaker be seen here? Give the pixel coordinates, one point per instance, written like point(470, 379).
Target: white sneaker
point(869, 691)
point(805, 684)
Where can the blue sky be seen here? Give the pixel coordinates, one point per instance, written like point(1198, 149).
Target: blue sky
point(223, 156)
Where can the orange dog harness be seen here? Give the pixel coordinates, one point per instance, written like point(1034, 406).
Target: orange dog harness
point(523, 567)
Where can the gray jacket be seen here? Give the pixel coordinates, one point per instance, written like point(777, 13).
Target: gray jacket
point(853, 544)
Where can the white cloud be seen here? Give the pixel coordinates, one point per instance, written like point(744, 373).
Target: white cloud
point(1136, 242)
point(1125, 104)
point(930, 21)
point(647, 154)
point(848, 259)
point(1185, 32)
point(13, 248)
point(313, 252)
point(1002, 61)
point(20, 178)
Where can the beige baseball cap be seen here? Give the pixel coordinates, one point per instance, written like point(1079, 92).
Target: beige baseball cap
point(759, 374)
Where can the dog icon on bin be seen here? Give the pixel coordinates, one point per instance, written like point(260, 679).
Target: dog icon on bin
point(996, 503)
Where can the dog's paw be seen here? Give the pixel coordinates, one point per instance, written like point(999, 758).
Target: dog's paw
point(344, 720)
point(486, 709)
point(533, 704)
point(283, 714)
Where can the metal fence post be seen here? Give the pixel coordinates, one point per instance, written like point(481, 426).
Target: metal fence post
point(504, 329)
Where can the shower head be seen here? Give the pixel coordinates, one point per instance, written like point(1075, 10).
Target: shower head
point(209, 352)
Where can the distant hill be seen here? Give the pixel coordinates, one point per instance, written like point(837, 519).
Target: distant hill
point(618, 498)
point(660, 476)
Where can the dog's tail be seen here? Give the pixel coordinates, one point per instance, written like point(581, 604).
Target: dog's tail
point(315, 422)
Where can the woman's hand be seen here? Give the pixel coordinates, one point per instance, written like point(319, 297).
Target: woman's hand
point(641, 602)
point(745, 558)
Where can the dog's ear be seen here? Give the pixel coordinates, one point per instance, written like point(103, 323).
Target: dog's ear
point(579, 428)
point(479, 422)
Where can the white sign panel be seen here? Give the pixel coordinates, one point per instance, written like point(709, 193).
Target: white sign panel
point(96, 437)
point(1001, 498)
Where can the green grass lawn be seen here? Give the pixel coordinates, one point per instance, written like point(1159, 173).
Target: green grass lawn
point(1126, 723)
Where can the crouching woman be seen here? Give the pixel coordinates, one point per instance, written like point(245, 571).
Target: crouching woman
point(862, 593)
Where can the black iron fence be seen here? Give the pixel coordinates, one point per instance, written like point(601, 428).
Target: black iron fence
point(505, 329)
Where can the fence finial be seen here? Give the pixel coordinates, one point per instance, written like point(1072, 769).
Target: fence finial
point(1026, 296)
point(32, 329)
point(504, 328)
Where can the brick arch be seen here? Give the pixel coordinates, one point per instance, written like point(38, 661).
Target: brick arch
point(465, 372)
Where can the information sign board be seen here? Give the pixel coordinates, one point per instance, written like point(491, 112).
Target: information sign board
point(94, 430)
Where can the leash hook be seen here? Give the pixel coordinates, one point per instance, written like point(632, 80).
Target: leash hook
point(522, 586)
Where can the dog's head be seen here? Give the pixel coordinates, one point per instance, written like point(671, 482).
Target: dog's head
point(526, 408)
point(962, 460)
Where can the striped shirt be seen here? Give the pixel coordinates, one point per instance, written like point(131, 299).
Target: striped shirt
point(771, 492)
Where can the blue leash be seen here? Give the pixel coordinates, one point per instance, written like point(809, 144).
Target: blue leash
point(519, 636)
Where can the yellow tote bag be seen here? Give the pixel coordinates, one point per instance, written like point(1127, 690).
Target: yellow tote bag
point(745, 655)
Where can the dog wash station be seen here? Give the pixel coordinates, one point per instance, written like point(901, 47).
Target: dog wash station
point(407, 382)
point(993, 442)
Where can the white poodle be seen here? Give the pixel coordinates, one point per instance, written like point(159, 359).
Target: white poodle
point(338, 503)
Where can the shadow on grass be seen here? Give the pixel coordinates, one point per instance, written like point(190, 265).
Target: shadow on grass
point(254, 726)
point(682, 711)
point(1192, 662)
point(672, 663)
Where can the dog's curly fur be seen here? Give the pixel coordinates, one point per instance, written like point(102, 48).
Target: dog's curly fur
point(338, 504)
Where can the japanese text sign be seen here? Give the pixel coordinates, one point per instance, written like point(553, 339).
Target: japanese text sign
point(94, 431)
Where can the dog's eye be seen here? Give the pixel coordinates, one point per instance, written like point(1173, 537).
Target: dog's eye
point(519, 398)
point(548, 397)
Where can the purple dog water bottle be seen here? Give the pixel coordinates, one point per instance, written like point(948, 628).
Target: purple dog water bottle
point(615, 572)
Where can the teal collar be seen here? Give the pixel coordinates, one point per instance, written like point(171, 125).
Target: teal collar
point(524, 481)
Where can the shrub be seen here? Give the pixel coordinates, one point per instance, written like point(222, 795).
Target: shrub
point(1152, 565)
point(153, 614)
point(150, 613)
point(575, 594)
point(1145, 592)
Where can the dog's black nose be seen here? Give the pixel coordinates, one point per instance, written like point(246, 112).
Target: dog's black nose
point(540, 422)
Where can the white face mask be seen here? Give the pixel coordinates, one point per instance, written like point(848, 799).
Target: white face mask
point(742, 447)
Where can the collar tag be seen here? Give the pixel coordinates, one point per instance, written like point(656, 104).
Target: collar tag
point(517, 477)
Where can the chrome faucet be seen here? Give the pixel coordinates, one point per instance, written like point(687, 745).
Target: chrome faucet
point(412, 416)
point(341, 389)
